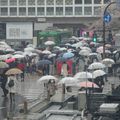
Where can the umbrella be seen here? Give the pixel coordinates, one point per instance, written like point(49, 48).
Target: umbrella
point(10, 60)
point(96, 65)
point(84, 52)
point(13, 71)
point(18, 52)
point(88, 84)
point(51, 55)
point(108, 62)
point(44, 62)
point(47, 78)
point(68, 55)
point(86, 48)
point(98, 73)
point(18, 56)
point(29, 49)
point(61, 59)
point(46, 52)
point(3, 65)
point(49, 43)
point(68, 81)
point(83, 75)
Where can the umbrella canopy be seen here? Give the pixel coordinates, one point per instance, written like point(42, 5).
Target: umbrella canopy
point(108, 62)
point(96, 65)
point(83, 75)
point(86, 48)
point(49, 43)
point(68, 55)
point(46, 78)
point(88, 84)
point(44, 62)
point(13, 71)
point(10, 60)
point(18, 56)
point(3, 65)
point(84, 52)
point(46, 52)
point(61, 59)
point(68, 81)
point(98, 73)
point(29, 49)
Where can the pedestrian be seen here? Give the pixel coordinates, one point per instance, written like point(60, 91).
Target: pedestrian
point(12, 88)
point(3, 84)
point(64, 69)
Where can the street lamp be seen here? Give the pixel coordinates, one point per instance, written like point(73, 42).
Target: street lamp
point(104, 13)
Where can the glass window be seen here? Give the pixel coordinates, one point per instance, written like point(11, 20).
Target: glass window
point(50, 11)
point(78, 1)
point(87, 10)
point(68, 2)
point(4, 11)
point(22, 11)
point(88, 1)
point(106, 1)
point(50, 2)
point(78, 10)
point(22, 2)
point(31, 2)
point(31, 11)
point(59, 2)
point(13, 2)
point(40, 11)
point(40, 2)
point(97, 1)
point(13, 11)
point(68, 11)
point(59, 10)
point(97, 10)
point(4, 2)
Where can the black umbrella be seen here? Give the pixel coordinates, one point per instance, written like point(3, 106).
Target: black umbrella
point(44, 62)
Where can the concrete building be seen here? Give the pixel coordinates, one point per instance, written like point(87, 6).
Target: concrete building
point(19, 19)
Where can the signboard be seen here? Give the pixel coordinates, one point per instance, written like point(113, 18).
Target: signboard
point(2, 30)
point(107, 17)
point(19, 30)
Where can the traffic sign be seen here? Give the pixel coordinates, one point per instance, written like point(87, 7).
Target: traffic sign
point(107, 17)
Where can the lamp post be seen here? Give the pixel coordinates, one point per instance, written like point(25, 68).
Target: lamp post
point(104, 13)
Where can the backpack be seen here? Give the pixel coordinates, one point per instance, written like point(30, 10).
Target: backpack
point(11, 83)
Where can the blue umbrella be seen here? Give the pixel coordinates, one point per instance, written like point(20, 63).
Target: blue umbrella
point(44, 62)
point(68, 55)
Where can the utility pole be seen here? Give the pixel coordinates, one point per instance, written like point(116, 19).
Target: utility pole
point(104, 27)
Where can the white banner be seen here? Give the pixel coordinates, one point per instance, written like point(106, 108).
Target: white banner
point(19, 30)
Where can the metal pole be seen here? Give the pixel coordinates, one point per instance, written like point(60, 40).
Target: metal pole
point(104, 27)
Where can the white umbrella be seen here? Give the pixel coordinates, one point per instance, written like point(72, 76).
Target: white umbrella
point(83, 75)
point(86, 48)
point(31, 45)
point(46, 78)
point(68, 81)
point(96, 65)
point(29, 49)
point(62, 49)
point(84, 52)
point(108, 61)
point(98, 73)
point(51, 55)
point(18, 52)
point(18, 56)
point(46, 52)
point(49, 43)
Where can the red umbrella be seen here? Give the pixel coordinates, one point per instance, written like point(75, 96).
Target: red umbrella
point(10, 60)
point(88, 84)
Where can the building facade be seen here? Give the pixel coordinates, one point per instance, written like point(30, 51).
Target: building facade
point(40, 14)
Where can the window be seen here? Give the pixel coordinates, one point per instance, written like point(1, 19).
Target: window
point(68, 2)
point(22, 2)
point(78, 1)
point(22, 11)
point(31, 11)
point(88, 1)
point(78, 10)
point(50, 11)
point(40, 11)
point(13, 11)
point(4, 11)
point(97, 1)
point(97, 10)
point(40, 2)
point(3, 2)
point(50, 2)
point(106, 1)
point(68, 11)
point(31, 2)
point(87, 10)
point(13, 2)
point(59, 2)
point(59, 10)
